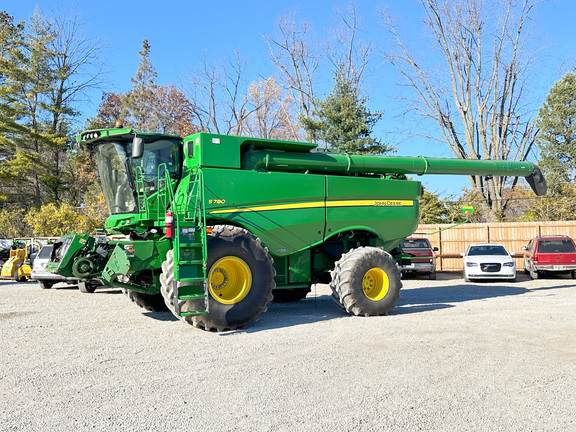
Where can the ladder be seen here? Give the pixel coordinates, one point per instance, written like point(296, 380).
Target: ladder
point(190, 249)
point(143, 207)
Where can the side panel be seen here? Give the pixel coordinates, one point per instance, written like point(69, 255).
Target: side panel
point(387, 207)
point(285, 210)
point(293, 269)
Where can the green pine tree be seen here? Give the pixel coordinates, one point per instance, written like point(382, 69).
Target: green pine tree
point(140, 103)
point(342, 120)
point(11, 57)
point(557, 136)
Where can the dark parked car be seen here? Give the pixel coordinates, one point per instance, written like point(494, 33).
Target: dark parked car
point(422, 257)
point(554, 254)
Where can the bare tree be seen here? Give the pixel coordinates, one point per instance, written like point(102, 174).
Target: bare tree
point(78, 63)
point(346, 51)
point(298, 55)
point(292, 52)
point(477, 98)
point(77, 68)
point(217, 93)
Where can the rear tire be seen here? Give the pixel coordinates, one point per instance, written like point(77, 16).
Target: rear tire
point(432, 276)
point(240, 281)
point(46, 284)
point(87, 287)
point(150, 302)
point(526, 272)
point(17, 276)
point(534, 274)
point(365, 281)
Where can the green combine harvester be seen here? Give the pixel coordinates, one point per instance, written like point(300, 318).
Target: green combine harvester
point(214, 227)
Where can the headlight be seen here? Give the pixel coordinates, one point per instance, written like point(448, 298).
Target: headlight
point(471, 264)
point(509, 264)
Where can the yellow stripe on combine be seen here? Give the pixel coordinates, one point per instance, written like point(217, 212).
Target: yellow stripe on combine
point(272, 207)
point(322, 204)
point(371, 203)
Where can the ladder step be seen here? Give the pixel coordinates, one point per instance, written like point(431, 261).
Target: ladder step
point(198, 312)
point(192, 279)
point(192, 297)
point(190, 262)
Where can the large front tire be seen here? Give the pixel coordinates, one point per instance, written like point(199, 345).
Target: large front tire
point(240, 281)
point(365, 281)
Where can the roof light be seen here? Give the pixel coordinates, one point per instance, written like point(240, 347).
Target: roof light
point(90, 135)
point(119, 125)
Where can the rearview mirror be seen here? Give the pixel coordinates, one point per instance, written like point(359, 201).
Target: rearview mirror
point(137, 147)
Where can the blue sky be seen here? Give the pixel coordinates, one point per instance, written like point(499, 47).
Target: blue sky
point(180, 32)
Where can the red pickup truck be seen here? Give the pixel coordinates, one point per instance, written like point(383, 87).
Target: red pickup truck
point(555, 254)
point(422, 257)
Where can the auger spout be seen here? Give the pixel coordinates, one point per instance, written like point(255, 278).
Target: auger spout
point(356, 164)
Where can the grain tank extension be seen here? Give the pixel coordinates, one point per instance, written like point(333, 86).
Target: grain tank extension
point(216, 226)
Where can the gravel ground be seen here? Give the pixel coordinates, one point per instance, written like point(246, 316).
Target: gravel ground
point(452, 356)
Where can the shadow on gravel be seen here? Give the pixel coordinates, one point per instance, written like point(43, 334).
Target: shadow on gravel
point(429, 296)
point(64, 287)
point(107, 291)
point(103, 290)
point(11, 282)
point(161, 316)
point(309, 310)
point(440, 296)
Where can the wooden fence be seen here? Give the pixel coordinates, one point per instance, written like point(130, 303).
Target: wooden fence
point(513, 235)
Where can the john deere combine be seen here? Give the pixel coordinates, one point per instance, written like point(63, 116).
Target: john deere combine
point(216, 226)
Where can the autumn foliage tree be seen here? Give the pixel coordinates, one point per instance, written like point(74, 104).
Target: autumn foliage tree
point(273, 113)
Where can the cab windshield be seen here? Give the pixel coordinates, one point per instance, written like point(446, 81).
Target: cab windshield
point(118, 172)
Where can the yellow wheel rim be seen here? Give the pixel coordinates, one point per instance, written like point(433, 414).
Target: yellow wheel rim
point(375, 284)
point(229, 280)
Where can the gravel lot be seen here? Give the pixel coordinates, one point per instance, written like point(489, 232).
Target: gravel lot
point(452, 356)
